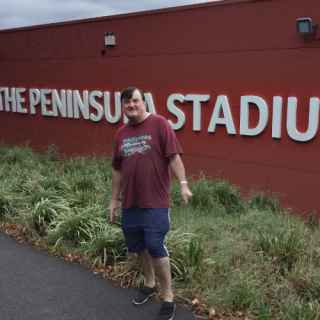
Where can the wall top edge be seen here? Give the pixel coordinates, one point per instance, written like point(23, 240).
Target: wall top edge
point(133, 14)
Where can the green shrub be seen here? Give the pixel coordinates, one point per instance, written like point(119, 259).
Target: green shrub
point(209, 194)
point(263, 312)
point(74, 226)
point(285, 246)
point(107, 243)
point(17, 155)
point(306, 282)
point(52, 153)
point(301, 311)
point(186, 254)
point(45, 211)
point(84, 183)
point(7, 207)
point(263, 202)
point(241, 293)
point(56, 185)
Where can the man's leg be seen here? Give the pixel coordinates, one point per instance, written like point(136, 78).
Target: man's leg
point(163, 272)
point(147, 269)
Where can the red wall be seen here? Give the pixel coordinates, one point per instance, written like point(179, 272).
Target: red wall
point(233, 48)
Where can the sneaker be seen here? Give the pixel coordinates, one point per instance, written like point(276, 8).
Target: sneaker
point(167, 311)
point(143, 295)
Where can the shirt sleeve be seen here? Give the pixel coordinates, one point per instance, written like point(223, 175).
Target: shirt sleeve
point(170, 143)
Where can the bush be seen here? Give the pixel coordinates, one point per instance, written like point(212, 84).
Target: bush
point(241, 292)
point(16, 155)
point(263, 202)
point(306, 283)
point(74, 226)
point(301, 311)
point(6, 205)
point(208, 196)
point(106, 243)
point(45, 211)
point(186, 254)
point(284, 246)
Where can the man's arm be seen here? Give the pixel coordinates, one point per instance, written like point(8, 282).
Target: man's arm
point(115, 201)
point(179, 171)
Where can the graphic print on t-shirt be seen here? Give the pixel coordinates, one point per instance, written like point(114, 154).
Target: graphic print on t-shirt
point(133, 145)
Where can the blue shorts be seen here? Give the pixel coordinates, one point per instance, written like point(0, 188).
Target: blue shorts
point(145, 229)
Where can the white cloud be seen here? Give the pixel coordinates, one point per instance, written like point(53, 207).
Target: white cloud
point(17, 13)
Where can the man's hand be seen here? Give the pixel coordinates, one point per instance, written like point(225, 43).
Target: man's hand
point(186, 193)
point(114, 210)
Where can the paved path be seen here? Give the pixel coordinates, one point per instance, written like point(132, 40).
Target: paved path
point(36, 286)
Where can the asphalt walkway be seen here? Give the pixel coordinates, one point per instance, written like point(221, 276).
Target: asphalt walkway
point(37, 286)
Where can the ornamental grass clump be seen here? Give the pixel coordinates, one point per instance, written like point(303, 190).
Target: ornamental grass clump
point(55, 185)
point(217, 196)
point(284, 246)
point(186, 254)
point(45, 211)
point(105, 244)
point(7, 207)
point(73, 226)
point(297, 310)
point(17, 155)
point(305, 280)
point(242, 292)
point(263, 202)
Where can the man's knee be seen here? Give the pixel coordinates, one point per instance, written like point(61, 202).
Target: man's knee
point(156, 249)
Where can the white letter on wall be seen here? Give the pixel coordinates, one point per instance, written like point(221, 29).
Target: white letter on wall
point(10, 98)
point(81, 103)
point(176, 111)
point(244, 116)
point(197, 99)
point(96, 105)
point(313, 124)
point(149, 103)
point(2, 89)
point(276, 117)
point(69, 104)
point(20, 100)
point(59, 103)
point(107, 108)
point(44, 102)
point(222, 105)
point(34, 98)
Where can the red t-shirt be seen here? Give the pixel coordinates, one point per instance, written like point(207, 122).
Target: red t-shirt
point(142, 153)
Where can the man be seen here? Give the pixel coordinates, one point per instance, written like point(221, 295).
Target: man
point(145, 150)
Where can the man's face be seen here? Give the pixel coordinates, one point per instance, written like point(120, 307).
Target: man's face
point(134, 108)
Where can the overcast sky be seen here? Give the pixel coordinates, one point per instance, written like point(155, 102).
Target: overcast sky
point(18, 13)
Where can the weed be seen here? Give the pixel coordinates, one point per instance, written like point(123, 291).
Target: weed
point(45, 211)
point(263, 202)
point(107, 243)
point(73, 225)
point(209, 194)
point(186, 256)
point(284, 246)
point(6, 205)
point(242, 292)
point(301, 311)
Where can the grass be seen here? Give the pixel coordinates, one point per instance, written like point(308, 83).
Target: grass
point(233, 255)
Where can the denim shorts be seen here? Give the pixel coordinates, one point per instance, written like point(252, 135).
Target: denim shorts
point(145, 229)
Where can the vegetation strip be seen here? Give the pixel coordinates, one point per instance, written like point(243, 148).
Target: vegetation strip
point(231, 258)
